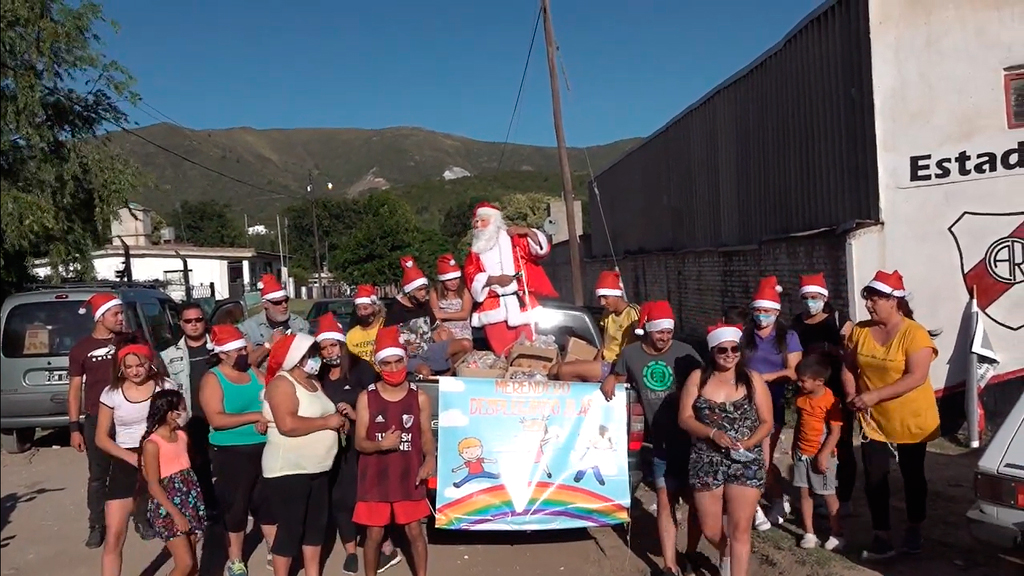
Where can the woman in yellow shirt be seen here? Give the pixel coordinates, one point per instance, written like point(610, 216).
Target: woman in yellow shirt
point(886, 381)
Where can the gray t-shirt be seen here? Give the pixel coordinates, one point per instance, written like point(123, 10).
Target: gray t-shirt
point(657, 378)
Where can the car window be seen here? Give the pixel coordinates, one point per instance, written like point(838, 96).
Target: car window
point(230, 313)
point(37, 329)
point(159, 324)
point(172, 313)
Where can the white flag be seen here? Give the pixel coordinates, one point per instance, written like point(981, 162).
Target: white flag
point(981, 347)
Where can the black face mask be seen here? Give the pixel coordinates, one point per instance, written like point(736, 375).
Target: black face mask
point(241, 363)
point(336, 361)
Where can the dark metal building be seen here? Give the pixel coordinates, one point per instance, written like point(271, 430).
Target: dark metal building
point(784, 146)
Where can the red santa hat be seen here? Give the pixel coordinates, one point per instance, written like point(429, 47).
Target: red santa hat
point(609, 283)
point(270, 288)
point(365, 294)
point(485, 209)
point(889, 283)
point(327, 328)
point(767, 294)
point(143, 351)
point(99, 303)
point(448, 268)
point(286, 353)
point(813, 284)
point(724, 333)
point(412, 276)
point(388, 343)
point(655, 316)
point(226, 337)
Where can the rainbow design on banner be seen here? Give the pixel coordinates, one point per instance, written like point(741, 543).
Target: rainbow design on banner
point(492, 509)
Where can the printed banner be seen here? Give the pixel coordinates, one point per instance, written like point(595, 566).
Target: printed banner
point(522, 455)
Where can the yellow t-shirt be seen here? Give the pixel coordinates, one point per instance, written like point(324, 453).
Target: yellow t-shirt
point(913, 417)
point(618, 331)
point(360, 340)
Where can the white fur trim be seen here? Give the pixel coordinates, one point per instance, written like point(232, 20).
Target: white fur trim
point(370, 300)
point(414, 285)
point(886, 289)
point(811, 289)
point(99, 311)
point(656, 325)
point(766, 304)
point(608, 292)
point(384, 353)
point(233, 345)
point(541, 250)
point(508, 311)
point(485, 211)
point(276, 294)
point(478, 288)
point(330, 336)
point(724, 334)
point(300, 345)
point(449, 276)
point(778, 288)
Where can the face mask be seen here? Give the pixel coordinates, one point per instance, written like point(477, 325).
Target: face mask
point(312, 366)
point(335, 361)
point(764, 320)
point(396, 378)
point(182, 419)
point(814, 306)
point(241, 363)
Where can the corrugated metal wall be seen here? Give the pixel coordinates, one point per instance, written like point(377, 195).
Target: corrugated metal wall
point(785, 146)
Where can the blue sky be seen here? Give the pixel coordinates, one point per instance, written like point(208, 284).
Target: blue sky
point(450, 66)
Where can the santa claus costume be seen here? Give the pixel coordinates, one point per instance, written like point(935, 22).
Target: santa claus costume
point(506, 312)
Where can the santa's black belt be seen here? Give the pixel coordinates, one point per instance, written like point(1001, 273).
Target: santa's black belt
point(518, 295)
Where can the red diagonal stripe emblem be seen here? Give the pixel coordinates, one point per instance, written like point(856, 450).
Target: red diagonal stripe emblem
point(988, 288)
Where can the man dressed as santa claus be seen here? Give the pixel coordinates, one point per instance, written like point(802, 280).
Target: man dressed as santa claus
point(505, 277)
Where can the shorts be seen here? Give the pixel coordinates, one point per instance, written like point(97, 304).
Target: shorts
point(805, 476)
point(381, 514)
point(670, 471)
point(124, 481)
point(435, 356)
point(711, 468)
point(300, 504)
point(606, 369)
point(778, 392)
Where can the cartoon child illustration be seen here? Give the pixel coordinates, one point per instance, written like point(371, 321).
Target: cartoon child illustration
point(472, 451)
point(596, 455)
point(537, 429)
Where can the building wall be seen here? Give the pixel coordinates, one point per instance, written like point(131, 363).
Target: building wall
point(700, 284)
point(938, 87)
point(201, 271)
point(783, 147)
point(134, 225)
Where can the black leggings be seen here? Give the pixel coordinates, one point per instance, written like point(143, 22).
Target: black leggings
point(343, 480)
point(238, 472)
point(846, 471)
point(876, 456)
point(300, 504)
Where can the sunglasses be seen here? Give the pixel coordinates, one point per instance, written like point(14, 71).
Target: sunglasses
point(723, 350)
point(278, 302)
point(199, 320)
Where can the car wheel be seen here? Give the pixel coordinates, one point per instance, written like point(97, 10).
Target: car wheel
point(17, 441)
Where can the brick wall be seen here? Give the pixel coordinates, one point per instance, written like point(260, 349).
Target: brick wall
point(700, 284)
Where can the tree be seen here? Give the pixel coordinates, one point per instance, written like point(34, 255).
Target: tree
point(208, 223)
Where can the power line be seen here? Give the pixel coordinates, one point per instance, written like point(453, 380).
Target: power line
point(522, 82)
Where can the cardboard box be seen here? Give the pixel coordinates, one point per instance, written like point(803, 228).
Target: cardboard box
point(465, 371)
point(532, 357)
point(577, 349)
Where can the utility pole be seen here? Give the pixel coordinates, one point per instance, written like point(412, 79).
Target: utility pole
point(563, 159)
point(316, 235)
point(280, 245)
point(246, 230)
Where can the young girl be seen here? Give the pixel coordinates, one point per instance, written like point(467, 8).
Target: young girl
point(452, 305)
point(176, 510)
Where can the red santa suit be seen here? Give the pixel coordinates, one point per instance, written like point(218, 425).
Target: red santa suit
point(506, 313)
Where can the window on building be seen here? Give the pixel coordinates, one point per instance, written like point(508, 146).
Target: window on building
point(1014, 87)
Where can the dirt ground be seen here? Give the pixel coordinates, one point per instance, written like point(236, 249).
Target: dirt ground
point(43, 526)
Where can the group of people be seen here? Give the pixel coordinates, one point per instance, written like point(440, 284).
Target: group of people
point(314, 431)
point(715, 426)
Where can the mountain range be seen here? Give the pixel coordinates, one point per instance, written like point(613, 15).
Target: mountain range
point(275, 164)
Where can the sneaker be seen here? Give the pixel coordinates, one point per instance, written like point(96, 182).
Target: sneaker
point(779, 511)
point(145, 531)
point(723, 567)
point(761, 522)
point(388, 560)
point(236, 568)
point(834, 543)
point(880, 549)
point(912, 540)
point(809, 541)
point(351, 565)
point(96, 536)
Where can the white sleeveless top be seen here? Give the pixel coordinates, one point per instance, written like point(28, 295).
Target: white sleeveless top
point(309, 454)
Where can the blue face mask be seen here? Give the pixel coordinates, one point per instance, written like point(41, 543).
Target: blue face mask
point(814, 306)
point(764, 320)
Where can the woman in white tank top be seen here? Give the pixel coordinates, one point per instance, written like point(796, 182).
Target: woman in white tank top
point(302, 440)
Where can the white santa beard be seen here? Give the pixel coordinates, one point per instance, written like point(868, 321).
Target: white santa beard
point(486, 239)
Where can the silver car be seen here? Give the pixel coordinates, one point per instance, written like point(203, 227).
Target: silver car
point(998, 515)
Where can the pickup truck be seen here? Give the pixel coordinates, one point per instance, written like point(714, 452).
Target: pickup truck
point(997, 516)
point(565, 321)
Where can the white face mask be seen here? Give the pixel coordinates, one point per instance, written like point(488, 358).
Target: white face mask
point(312, 365)
point(182, 419)
point(814, 306)
point(764, 320)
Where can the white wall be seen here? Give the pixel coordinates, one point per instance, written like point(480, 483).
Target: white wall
point(938, 67)
point(201, 271)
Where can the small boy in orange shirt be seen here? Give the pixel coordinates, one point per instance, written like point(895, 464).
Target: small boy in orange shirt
point(819, 422)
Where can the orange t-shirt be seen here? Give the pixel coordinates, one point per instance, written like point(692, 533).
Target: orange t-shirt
point(813, 418)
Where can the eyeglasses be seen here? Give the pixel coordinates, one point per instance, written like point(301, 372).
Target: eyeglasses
point(723, 350)
point(198, 320)
point(278, 302)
